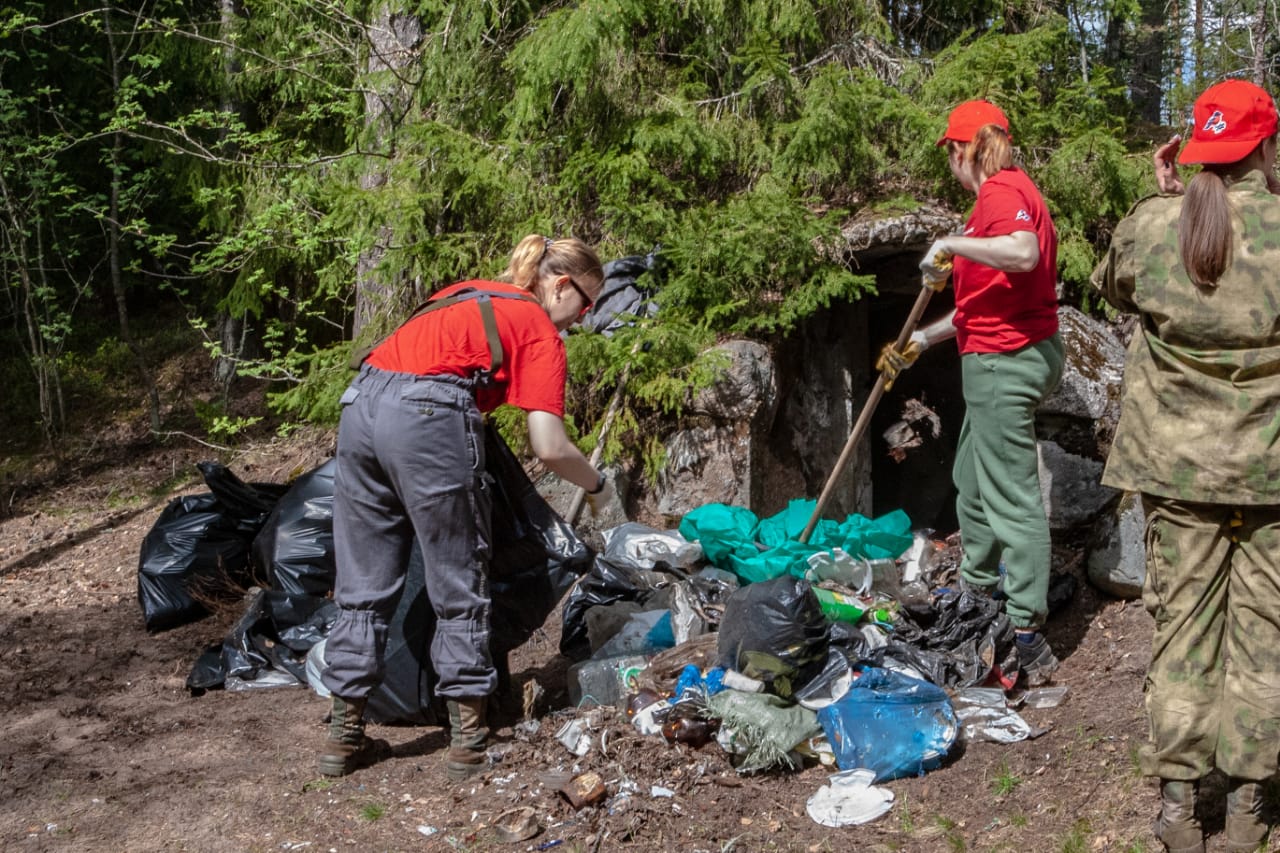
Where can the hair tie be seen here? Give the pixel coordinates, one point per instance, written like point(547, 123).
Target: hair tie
point(546, 244)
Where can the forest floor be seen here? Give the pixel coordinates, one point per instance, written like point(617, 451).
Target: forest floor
point(102, 747)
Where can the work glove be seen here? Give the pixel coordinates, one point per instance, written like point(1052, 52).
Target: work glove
point(936, 266)
point(893, 361)
point(603, 497)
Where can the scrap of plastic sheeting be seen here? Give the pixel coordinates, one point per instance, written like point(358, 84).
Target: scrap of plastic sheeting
point(576, 737)
point(984, 714)
point(646, 546)
point(918, 562)
point(268, 678)
point(849, 799)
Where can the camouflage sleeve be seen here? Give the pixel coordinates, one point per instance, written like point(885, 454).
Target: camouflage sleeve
point(1114, 276)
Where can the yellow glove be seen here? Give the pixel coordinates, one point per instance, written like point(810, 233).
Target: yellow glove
point(892, 361)
point(935, 269)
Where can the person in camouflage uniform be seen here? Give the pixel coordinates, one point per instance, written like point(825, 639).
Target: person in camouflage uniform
point(1197, 437)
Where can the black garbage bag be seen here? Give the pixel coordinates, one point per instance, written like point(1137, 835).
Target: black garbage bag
point(198, 549)
point(405, 694)
point(623, 298)
point(294, 550)
point(537, 555)
point(535, 558)
point(775, 631)
point(963, 637)
point(275, 632)
point(616, 583)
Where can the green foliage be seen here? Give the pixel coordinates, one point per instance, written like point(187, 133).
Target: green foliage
point(218, 424)
point(247, 169)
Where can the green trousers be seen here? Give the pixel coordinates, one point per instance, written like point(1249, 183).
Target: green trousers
point(1213, 687)
point(999, 507)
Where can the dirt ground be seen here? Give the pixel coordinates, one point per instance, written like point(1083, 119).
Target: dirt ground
point(104, 748)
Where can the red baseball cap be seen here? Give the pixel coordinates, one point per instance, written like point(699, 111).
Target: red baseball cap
point(1231, 118)
point(967, 119)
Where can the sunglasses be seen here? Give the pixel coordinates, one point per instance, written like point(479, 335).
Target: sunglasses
point(587, 301)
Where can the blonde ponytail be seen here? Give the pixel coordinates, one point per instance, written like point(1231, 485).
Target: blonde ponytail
point(536, 255)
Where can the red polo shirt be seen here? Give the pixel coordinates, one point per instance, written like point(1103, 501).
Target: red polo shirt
point(1004, 311)
point(452, 341)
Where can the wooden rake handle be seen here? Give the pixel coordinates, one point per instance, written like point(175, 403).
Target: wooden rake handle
point(868, 408)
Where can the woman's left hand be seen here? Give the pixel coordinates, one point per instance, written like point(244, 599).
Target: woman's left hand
point(936, 266)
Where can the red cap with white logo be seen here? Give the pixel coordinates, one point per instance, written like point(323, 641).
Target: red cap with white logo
point(1231, 118)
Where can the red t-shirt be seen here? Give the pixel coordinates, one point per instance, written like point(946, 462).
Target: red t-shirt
point(1004, 311)
point(452, 341)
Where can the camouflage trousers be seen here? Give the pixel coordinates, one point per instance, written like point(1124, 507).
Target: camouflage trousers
point(1213, 687)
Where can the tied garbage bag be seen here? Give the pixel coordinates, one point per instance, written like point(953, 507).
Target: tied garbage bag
point(775, 632)
point(294, 550)
point(890, 724)
point(198, 549)
point(760, 731)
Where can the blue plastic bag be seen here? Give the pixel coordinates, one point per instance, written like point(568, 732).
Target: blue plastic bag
point(891, 724)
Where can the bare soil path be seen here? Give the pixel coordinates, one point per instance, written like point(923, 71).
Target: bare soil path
point(103, 748)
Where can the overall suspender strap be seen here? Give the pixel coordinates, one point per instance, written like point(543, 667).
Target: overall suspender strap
point(487, 317)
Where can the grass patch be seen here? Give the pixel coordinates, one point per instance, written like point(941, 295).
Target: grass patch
point(1006, 782)
point(955, 840)
point(1077, 840)
point(372, 811)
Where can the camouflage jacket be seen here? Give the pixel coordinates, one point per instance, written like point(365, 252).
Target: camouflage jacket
point(1201, 409)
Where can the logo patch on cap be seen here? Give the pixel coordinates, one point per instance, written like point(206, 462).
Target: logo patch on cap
point(1215, 123)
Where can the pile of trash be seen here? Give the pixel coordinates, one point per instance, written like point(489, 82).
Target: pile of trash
point(853, 650)
point(848, 650)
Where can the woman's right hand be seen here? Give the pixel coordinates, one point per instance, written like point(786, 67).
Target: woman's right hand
point(1166, 163)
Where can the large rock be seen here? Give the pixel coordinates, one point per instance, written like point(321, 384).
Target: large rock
point(1071, 488)
point(746, 391)
point(1081, 414)
point(717, 458)
point(1117, 561)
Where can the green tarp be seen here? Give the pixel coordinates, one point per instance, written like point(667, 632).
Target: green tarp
point(735, 540)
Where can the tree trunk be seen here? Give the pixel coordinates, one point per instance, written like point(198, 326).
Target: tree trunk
point(1197, 45)
point(232, 329)
point(113, 242)
point(393, 38)
point(1147, 74)
point(1259, 45)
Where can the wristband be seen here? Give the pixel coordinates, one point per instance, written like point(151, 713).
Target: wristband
point(599, 485)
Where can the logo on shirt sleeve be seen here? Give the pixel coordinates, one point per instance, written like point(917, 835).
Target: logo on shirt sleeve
point(1022, 216)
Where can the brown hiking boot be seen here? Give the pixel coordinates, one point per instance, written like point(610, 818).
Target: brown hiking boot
point(1176, 826)
point(470, 736)
point(1246, 831)
point(347, 747)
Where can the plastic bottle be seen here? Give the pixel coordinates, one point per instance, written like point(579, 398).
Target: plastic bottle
point(603, 681)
